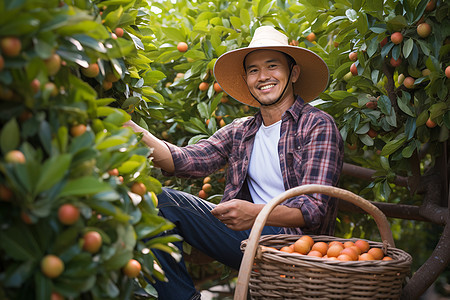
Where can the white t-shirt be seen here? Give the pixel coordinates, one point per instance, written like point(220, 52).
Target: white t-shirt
point(265, 180)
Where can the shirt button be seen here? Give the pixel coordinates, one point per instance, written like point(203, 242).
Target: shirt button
point(281, 155)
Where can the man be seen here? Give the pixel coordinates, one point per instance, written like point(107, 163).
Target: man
point(286, 144)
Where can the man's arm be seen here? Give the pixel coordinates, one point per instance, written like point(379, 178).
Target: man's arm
point(241, 214)
point(162, 158)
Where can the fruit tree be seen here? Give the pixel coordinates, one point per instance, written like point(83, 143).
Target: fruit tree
point(71, 220)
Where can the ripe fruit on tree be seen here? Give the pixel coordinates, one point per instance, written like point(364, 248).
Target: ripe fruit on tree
point(132, 268)
point(77, 130)
point(203, 86)
point(384, 42)
point(5, 193)
point(35, 85)
point(397, 37)
point(51, 88)
point(424, 30)
point(354, 69)
point(53, 64)
point(56, 296)
point(202, 194)
point(139, 188)
point(447, 72)
point(217, 87)
point(182, 47)
point(353, 56)
point(409, 82)
point(426, 72)
point(119, 32)
point(113, 172)
point(106, 85)
point(91, 71)
point(311, 37)
point(430, 123)
point(11, 46)
point(52, 266)
point(431, 5)
point(395, 62)
point(2, 63)
point(15, 156)
point(92, 241)
point(372, 133)
point(68, 214)
point(110, 76)
point(207, 187)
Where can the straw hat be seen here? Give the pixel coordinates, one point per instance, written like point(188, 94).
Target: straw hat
point(229, 67)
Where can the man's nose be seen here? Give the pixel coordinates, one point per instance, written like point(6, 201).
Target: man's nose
point(264, 74)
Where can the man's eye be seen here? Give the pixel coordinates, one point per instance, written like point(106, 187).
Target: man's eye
point(252, 71)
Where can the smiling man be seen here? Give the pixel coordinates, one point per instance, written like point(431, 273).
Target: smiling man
point(286, 144)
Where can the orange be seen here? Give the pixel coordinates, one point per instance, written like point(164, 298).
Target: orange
point(387, 258)
point(430, 123)
point(92, 241)
point(207, 187)
point(363, 245)
point(182, 47)
point(68, 214)
point(357, 250)
point(366, 256)
point(132, 268)
point(353, 56)
point(287, 249)
point(377, 253)
point(113, 172)
point(350, 252)
point(311, 37)
point(308, 239)
point(15, 156)
point(91, 71)
point(302, 246)
point(52, 266)
point(202, 194)
point(344, 257)
point(322, 247)
point(203, 86)
point(348, 244)
point(315, 253)
point(78, 130)
point(139, 188)
point(119, 32)
point(336, 243)
point(334, 250)
point(217, 87)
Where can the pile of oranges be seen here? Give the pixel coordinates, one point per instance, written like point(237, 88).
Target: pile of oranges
point(335, 250)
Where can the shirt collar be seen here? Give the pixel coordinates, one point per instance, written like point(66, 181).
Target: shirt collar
point(296, 109)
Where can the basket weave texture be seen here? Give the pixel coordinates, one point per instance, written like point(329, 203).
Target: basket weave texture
point(281, 275)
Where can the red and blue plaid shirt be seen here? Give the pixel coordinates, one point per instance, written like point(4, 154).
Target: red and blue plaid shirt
point(310, 151)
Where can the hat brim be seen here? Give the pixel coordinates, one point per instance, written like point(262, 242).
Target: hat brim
point(229, 73)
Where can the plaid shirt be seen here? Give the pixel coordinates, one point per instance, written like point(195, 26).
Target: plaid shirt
point(310, 151)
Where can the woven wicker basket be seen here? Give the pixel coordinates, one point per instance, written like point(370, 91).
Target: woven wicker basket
point(272, 274)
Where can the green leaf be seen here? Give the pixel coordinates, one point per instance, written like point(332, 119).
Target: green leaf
point(351, 14)
point(384, 104)
point(403, 104)
point(173, 34)
point(393, 145)
point(407, 47)
point(365, 139)
point(245, 17)
point(84, 186)
point(438, 109)
point(53, 171)
point(17, 243)
point(10, 136)
point(236, 22)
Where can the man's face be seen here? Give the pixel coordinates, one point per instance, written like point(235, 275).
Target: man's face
point(267, 73)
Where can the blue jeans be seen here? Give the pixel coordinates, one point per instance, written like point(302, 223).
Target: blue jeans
point(199, 228)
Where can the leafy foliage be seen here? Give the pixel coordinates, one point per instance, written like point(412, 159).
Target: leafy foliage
point(62, 118)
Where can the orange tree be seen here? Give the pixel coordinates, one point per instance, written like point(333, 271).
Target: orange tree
point(78, 206)
point(388, 93)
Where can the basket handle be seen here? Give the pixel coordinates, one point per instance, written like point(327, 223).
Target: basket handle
point(255, 234)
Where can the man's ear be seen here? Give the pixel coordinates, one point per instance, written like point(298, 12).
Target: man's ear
point(295, 73)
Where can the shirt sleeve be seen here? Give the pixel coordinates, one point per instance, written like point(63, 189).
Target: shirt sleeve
point(319, 161)
point(204, 157)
